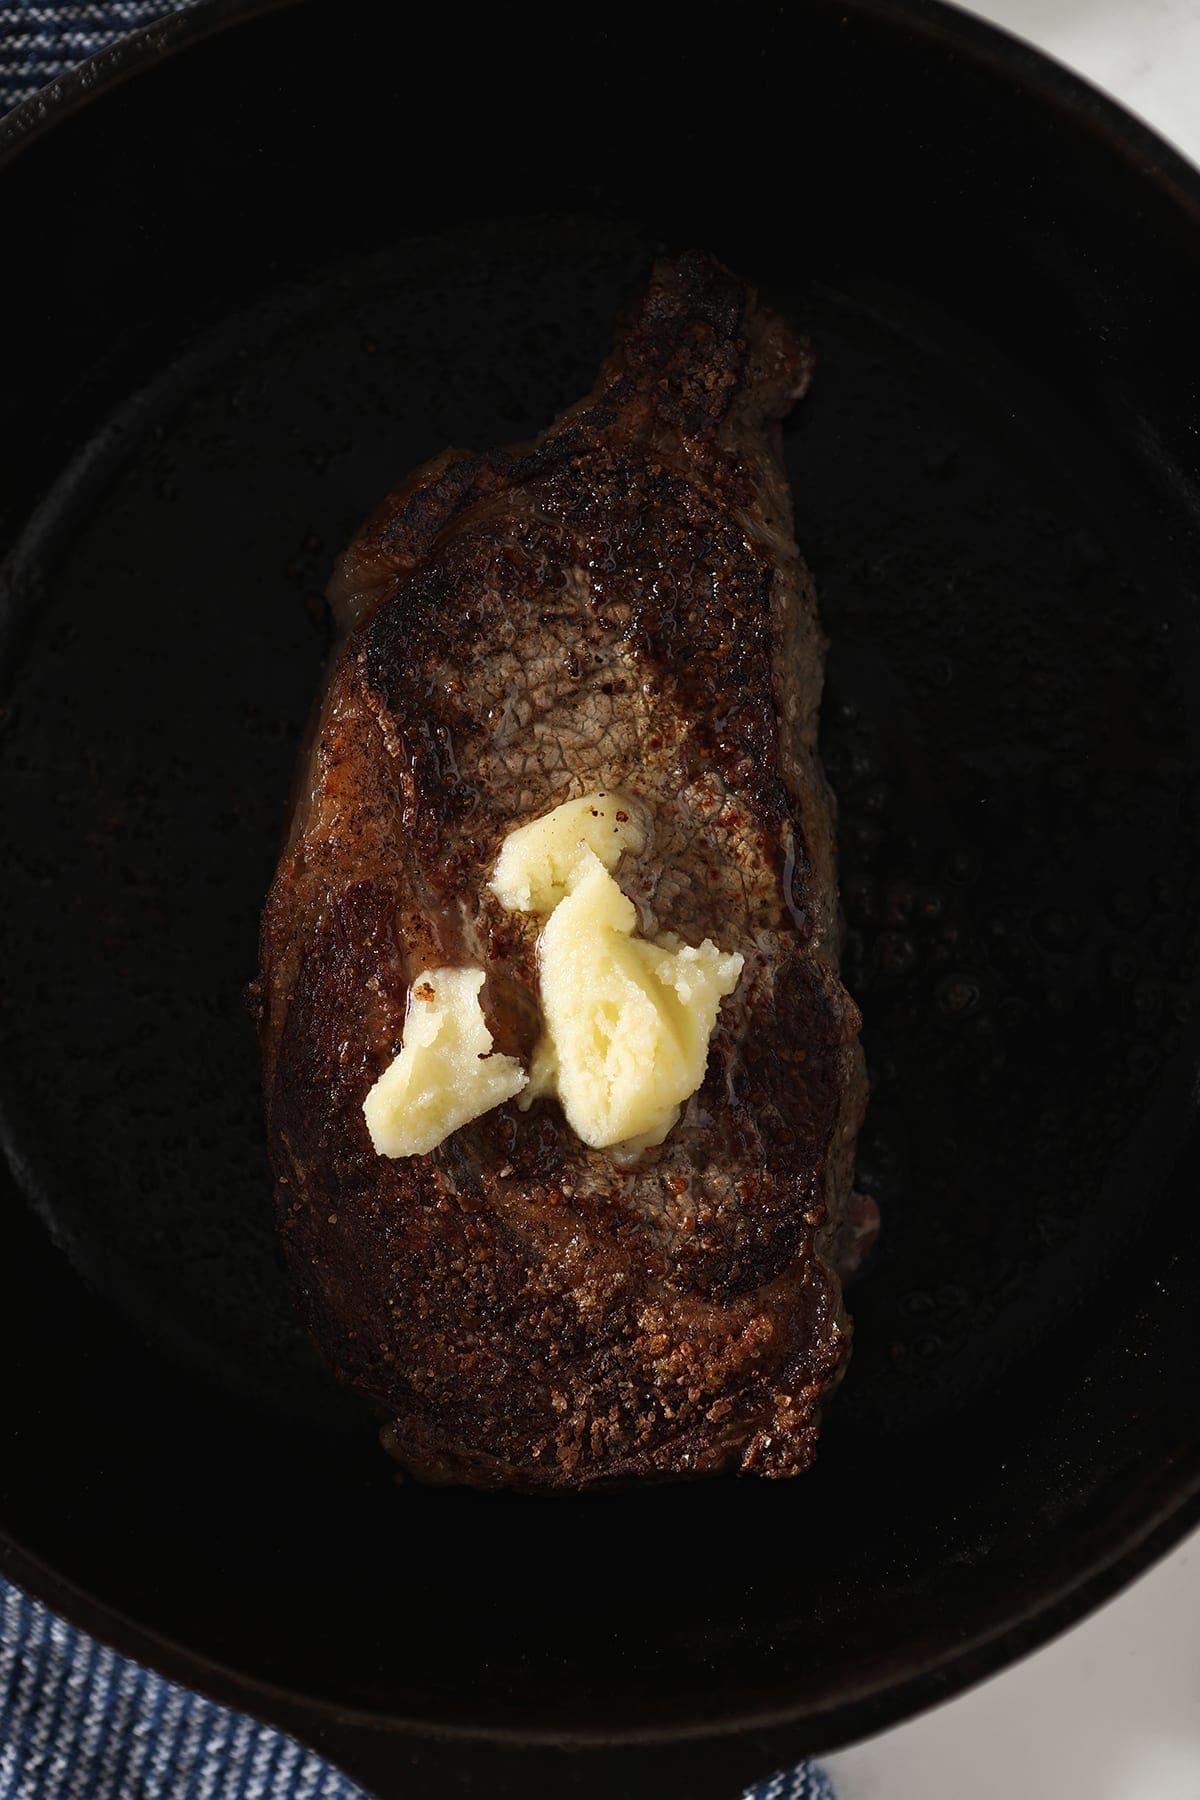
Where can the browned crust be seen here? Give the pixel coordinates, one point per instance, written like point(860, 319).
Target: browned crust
point(619, 604)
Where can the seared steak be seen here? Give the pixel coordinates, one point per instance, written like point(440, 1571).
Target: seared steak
point(620, 605)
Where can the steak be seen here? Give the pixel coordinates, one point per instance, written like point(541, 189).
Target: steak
point(619, 605)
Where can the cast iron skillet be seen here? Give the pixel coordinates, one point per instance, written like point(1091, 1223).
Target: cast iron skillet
point(261, 259)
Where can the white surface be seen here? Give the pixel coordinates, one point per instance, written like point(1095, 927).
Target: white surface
point(1110, 1710)
point(1146, 52)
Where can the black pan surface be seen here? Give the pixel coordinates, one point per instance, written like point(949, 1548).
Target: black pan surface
point(279, 275)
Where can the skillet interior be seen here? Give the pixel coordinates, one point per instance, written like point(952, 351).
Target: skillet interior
point(255, 330)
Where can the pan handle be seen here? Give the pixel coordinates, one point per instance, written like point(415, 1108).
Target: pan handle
point(396, 1765)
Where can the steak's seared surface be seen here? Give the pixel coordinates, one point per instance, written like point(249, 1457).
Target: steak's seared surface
point(620, 605)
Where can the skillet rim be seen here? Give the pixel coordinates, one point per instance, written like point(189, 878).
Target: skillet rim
point(1168, 1502)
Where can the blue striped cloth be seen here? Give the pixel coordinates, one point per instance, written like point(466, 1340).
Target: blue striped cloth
point(78, 1722)
point(39, 41)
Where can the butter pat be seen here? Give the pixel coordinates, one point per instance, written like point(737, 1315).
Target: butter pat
point(627, 1022)
point(537, 862)
point(445, 1074)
